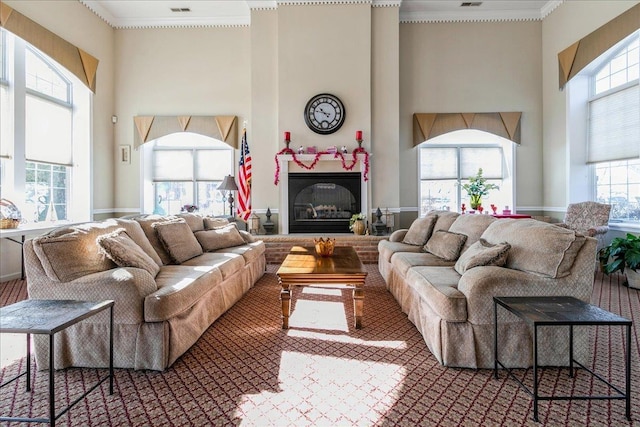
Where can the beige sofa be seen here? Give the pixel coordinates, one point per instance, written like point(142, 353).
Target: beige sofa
point(448, 293)
point(170, 277)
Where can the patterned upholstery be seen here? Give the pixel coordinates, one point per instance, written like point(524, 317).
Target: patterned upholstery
point(588, 218)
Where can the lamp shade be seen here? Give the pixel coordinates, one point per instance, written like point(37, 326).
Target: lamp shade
point(228, 184)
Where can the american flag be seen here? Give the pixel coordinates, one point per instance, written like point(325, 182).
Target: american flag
point(244, 179)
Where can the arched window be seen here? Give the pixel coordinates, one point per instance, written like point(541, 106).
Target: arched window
point(613, 133)
point(185, 169)
point(447, 161)
point(44, 110)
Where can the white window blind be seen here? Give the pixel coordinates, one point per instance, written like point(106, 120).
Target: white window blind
point(48, 132)
point(614, 126)
point(213, 165)
point(487, 158)
point(173, 165)
point(439, 163)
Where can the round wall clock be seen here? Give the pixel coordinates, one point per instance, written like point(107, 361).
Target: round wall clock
point(324, 113)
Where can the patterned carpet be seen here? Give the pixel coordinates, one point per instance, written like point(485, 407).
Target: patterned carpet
point(246, 370)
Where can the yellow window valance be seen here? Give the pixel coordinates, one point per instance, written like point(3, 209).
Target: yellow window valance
point(74, 59)
point(576, 57)
point(222, 128)
point(430, 125)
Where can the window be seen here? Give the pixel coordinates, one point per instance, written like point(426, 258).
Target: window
point(186, 169)
point(614, 130)
point(46, 110)
point(449, 160)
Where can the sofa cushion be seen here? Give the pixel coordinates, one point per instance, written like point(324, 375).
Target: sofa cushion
point(121, 249)
point(218, 238)
point(445, 245)
point(178, 240)
point(482, 253)
point(228, 263)
point(420, 230)
point(211, 222)
point(195, 221)
point(471, 226)
point(536, 247)
point(250, 252)
point(248, 237)
point(179, 288)
point(68, 253)
point(403, 261)
point(445, 219)
point(146, 223)
point(438, 288)
point(386, 249)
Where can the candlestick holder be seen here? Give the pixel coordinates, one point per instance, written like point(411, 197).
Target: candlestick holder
point(359, 141)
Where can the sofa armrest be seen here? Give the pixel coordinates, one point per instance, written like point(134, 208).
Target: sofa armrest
point(126, 286)
point(398, 235)
point(479, 285)
point(594, 231)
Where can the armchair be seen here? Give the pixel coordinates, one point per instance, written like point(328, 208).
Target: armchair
point(588, 218)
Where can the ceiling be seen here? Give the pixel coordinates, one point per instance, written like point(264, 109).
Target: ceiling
point(199, 13)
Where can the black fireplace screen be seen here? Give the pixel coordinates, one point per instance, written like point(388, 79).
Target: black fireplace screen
point(322, 202)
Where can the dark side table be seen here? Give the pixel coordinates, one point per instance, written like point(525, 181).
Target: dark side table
point(48, 317)
point(562, 311)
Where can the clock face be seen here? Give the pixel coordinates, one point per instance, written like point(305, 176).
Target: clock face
point(324, 113)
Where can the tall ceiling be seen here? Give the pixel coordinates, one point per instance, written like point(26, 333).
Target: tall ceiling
point(197, 13)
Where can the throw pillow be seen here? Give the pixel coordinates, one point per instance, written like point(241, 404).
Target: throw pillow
point(219, 238)
point(121, 249)
point(446, 245)
point(420, 230)
point(482, 253)
point(178, 240)
point(210, 223)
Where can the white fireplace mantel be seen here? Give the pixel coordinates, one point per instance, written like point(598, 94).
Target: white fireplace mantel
point(327, 163)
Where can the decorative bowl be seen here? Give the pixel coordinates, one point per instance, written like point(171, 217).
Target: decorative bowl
point(324, 247)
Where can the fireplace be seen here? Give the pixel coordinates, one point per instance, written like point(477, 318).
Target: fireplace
point(323, 202)
point(327, 165)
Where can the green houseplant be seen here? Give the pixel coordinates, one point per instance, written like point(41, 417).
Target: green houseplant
point(478, 187)
point(622, 255)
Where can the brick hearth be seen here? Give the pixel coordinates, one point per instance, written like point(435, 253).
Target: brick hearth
point(278, 246)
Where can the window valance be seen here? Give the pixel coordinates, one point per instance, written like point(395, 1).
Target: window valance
point(430, 125)
point(580, 54)
point(74, 59)
point(222, 128)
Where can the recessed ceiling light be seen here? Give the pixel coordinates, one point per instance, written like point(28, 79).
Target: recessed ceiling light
point(180, 9)
point(470, 3)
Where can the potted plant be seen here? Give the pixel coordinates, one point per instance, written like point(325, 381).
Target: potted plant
point(478, 187)
point(356, 223)
point(623, 255)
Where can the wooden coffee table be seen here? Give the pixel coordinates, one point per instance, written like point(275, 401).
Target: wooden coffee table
point(302, 267)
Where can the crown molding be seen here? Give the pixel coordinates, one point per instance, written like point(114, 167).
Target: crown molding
point(262, 4)
point(177, 22)
point(480, 15)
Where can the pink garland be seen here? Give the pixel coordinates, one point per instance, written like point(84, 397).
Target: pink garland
point(316, 159)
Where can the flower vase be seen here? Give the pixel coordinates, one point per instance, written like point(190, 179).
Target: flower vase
point(476, 200)
point(359, 227)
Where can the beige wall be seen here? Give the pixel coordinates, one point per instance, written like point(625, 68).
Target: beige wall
point(473, 67)
point(571, 21)
point(196, 71)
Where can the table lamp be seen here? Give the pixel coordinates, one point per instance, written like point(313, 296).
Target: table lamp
point(229, 185)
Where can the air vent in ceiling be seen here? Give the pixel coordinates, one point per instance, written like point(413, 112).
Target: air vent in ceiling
point(180, 9)
point(470, 3)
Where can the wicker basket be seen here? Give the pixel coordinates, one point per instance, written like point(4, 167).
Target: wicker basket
point(6, 223)
point(10, 215)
